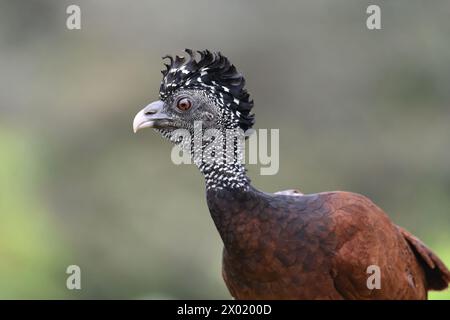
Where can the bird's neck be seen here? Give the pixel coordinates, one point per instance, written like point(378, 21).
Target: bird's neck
point(228, 192)
point(219, 157)
point(225, 176)
point(225, 171)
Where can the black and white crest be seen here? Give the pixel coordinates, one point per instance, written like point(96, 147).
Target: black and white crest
point(214, 73)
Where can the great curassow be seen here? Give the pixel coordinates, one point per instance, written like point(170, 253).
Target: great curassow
point(285, 245)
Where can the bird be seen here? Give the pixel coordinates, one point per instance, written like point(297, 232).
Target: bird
point(286, 245)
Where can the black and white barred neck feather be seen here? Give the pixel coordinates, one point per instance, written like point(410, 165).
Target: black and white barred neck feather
point(213, 73)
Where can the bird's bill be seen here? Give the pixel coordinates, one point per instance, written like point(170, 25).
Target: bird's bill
point(152, 116)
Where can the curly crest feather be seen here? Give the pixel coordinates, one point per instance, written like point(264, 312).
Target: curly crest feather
point(214, 73)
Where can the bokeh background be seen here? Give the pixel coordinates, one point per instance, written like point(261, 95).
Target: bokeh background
point(359, 110)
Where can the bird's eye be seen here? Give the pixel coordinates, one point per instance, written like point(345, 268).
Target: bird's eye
point(184, 104)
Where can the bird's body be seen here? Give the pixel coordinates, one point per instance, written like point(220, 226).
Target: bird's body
point(285, 245)
point(317, 246)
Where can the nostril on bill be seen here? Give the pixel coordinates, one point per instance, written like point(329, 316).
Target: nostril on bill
point(150, 112)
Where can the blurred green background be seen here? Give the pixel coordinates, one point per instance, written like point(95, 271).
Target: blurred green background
point(359, 110)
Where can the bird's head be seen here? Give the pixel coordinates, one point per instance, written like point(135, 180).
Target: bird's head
point(204, 87)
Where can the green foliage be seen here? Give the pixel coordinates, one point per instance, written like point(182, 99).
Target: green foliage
point(31, 255)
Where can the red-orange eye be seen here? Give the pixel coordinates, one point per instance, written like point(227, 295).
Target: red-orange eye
point(184, 104)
